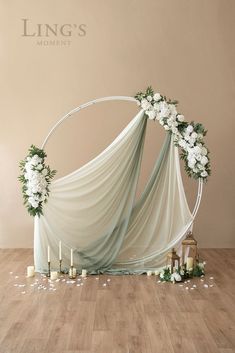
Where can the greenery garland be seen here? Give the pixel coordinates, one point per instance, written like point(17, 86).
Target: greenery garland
point(188, 136)
point(35, 178)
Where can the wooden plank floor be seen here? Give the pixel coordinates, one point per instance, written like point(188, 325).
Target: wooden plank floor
point(117, 314)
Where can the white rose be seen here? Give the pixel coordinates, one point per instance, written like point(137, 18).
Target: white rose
point(39, 166)
point(35, 160)
point(28, 166)
point(156, 107)
point(157, 97)
point(190, 151)
point(204, 151)
point(161, 275)
point(186, 137)
point(189, 128)
point(33, 202)
point(174, 130)
point(164, 110)
point(177, 277)
point(194, 135)
point(182, 143)
point(201, 167)
point(182, 272)
point(145, 104)
point(191, 141)
point(204, 160)
point(198, 157)
point(191, 163)
point(161, 122)
point(149, 98)
point(29, 192)
point(44, 172)
point(170, 122)
point(166, 127)
point(197, 150)
point(204, 174)
point(172, 109)
point(151, 114)
point(175, 123)
point(180, 117)
point(195, 170)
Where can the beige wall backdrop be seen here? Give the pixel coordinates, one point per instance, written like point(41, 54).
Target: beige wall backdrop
point(183, 48)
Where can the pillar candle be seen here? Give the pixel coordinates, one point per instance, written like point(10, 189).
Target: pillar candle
point(48, 254)
point(60, 253)
point(30, 271)
point(84, 273)
point(71, 257)
point(156, 272)
point(54, 275)
point(72, 274)
point(189, 263)
point(149, 273)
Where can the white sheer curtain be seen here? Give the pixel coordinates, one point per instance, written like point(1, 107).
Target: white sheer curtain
point(92, 209)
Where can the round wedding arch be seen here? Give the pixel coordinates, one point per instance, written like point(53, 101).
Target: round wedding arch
point(119, 98)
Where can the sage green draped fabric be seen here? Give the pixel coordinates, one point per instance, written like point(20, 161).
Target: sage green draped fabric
point(92, 210)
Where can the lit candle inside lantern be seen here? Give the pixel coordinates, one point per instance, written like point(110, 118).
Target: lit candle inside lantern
point(30, 271)
point(48, 254)
point(60, 253)
point(71, 257)
point(54, 275)
point(189, 263)
point(84, 273)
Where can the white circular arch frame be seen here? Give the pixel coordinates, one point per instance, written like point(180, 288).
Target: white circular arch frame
point(119, 98)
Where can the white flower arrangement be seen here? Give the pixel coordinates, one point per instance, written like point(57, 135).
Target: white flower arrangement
point(35, 179)
point(188, 136)
point(181, 273)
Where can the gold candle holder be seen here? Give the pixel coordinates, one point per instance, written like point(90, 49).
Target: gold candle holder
point(49, 269)
point(72, 272)
point(60, 265)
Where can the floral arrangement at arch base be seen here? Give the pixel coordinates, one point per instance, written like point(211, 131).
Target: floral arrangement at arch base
point(181, 273)
point(188, 136)
point(35, 178)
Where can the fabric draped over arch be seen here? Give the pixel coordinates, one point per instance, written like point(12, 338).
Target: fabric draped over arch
point(93, 209)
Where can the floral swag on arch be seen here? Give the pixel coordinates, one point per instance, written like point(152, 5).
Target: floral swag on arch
point(188, 136)
point(93, 209)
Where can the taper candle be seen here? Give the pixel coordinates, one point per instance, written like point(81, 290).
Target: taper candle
point(71, 258)
point(60, 253)
point(48, 254)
